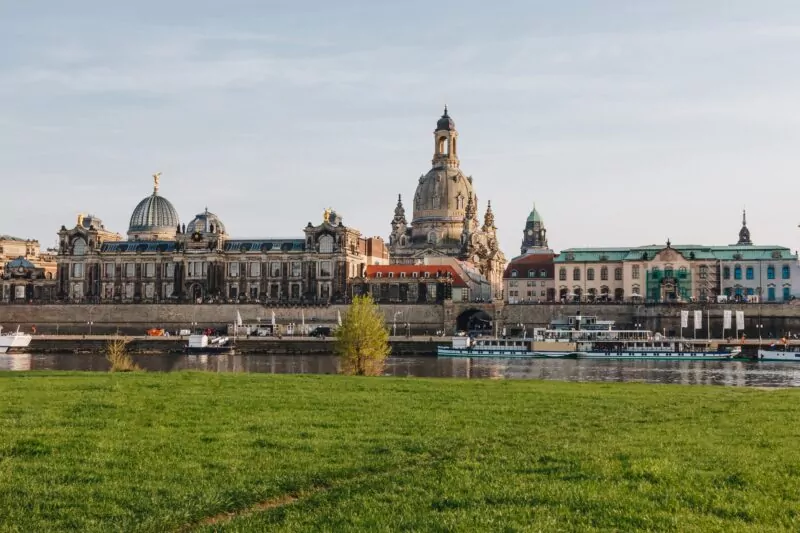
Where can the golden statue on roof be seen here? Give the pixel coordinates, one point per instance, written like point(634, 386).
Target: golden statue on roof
point(156, 179)
point(326, 215)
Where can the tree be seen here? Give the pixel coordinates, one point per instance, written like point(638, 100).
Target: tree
point(362, 341)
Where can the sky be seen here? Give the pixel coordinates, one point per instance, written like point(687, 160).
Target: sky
point(627, 123)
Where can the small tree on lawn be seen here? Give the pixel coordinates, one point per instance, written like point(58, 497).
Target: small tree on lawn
point(362, 341)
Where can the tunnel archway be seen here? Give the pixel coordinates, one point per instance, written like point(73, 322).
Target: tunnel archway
point(475, 321)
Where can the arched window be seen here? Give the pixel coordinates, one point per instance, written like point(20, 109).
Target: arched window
point(513, 273)
point(442, 148)
point(770, 272)
point(562, 274)
point(79, 246)
point(432, 237)
point(604, 273)
point(531, 273)
point(618, 274)
point(543, 273)
point(576, 274)
point(785, 273)
point(668, 272)
point(749, 273)
point(326, 244)
point(590, 274)
point(737, 272)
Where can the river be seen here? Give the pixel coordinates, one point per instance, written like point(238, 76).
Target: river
point(728, 373)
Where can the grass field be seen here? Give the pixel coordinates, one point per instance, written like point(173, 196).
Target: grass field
point(248, 452)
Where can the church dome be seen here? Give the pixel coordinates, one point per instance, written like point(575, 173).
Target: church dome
point(205, 222)
point(445, 122)
point(443, 193)
point(154, 217)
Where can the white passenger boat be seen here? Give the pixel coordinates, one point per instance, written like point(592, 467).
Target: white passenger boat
point(597, 340)
point(492, 347)
point(14, 341)
point(780, 352)
point(200, 343)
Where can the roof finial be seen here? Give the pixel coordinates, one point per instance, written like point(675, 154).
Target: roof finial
point(156, 177)
point(668, 243)
point(744, 216)
point(445, 110)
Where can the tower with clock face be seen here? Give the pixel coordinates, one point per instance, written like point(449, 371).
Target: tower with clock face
point(534, 236)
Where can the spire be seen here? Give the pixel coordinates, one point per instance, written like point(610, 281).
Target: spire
point(488, 219)
point(399, 212)
point(744, 233)
point(469, 212)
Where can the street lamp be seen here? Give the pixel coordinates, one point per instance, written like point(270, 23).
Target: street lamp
point(759, 327)
point(89, 323)
point(638, 325)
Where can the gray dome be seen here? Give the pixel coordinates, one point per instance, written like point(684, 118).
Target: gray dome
point(205, 220)
point(154, 214)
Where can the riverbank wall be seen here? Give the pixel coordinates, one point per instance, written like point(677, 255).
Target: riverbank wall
point(775, 320)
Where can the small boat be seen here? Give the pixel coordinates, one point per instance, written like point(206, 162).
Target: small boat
point(15, 341)
point(201, 343)
point(780, 352)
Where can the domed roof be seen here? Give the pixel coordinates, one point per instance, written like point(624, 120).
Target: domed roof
point(203, 222)
point(20, 262)
point(154, 213)
point(535, 216)
point(445, 122)
point(443, 192)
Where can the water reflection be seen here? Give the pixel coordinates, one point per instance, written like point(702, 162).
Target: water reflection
point(730, 373)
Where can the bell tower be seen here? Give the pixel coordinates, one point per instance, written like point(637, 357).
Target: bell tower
point(445, 149)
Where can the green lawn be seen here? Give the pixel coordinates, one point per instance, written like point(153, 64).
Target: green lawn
point(167, 452)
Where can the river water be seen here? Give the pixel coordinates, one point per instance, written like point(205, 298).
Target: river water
point(729, 373)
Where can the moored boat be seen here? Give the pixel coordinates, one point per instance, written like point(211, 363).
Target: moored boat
point(14, 341)
point(493, 347)
point(780, 352)
point(201, 343)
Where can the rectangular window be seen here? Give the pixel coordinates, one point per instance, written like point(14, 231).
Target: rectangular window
point(296, 272)
point(325, 269)
point(233, 270)
point(149, 270)
point(618, 274)
point(275, 269)
point(635, 272)
point(130, 270)
point(703, 272)
point(562, 274)
point(771, 294)
point(77, 270)
point(169, 270)
point(255, 269)
point(108, 270)
point(168, 290)
point(749, 273)
point(785, 272)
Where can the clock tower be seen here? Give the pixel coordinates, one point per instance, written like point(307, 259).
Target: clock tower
point(534, 236)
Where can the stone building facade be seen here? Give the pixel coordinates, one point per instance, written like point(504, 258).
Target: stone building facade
point(529, 277)
point(678, 273)
point(445, 215)
point(166, 261)
point(26, 273)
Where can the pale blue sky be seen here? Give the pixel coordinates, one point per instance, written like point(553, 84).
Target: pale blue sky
point(627, 122)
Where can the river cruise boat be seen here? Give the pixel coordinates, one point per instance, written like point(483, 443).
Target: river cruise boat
point(780, 352)
point(492, 347)
point(569, 339)
point(14, 341)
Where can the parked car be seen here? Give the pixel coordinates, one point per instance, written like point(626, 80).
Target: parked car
point(321, 331)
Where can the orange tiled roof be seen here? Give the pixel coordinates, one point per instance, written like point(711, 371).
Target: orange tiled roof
point(409, 270)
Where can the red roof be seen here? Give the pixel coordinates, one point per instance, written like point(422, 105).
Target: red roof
point(408, 271)
point(537, 261)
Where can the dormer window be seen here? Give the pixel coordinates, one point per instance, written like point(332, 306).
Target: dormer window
point(414, 275)
point(402, 274)
point(427, 274)
point(391, 274)
point(513, 273)
point(378, 274)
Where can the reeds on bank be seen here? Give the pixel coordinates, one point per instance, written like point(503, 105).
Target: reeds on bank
point(117, 354)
